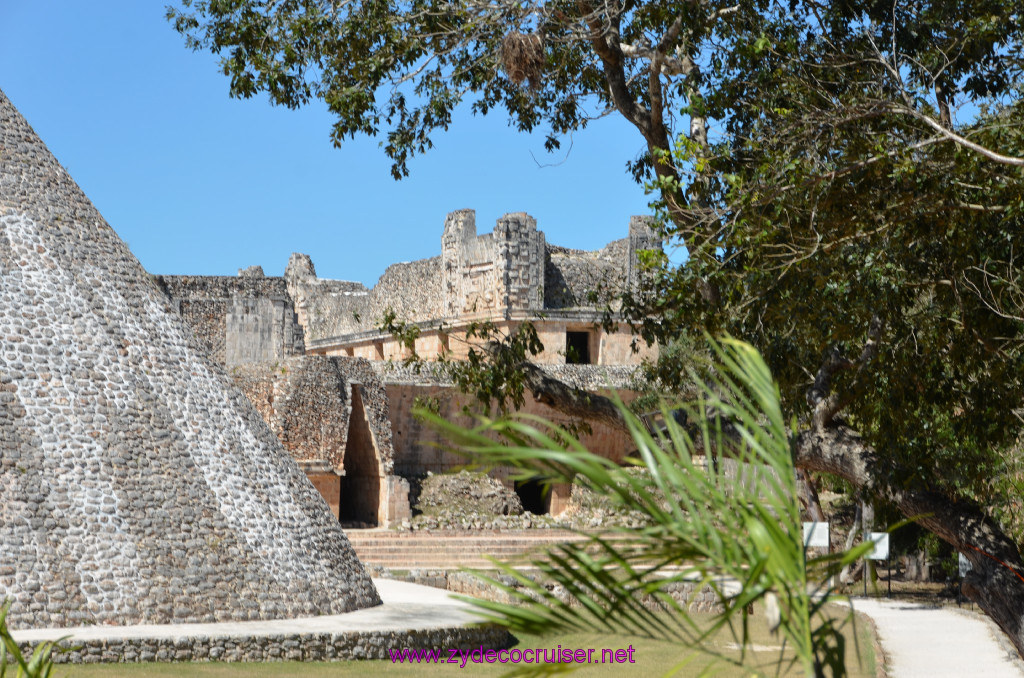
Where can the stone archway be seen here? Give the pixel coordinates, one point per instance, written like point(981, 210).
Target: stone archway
point(363, 479)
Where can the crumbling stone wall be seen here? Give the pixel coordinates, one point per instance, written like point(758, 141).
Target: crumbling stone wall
point(307, 403)
point(409, 289)
point(507, 275)
point(249, 318)
point(319, 302)
point(580, 279)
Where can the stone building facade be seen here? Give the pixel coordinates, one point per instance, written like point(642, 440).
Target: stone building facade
point(244, 319)
point(261, 327)
point(507, 276)
point(330, 413)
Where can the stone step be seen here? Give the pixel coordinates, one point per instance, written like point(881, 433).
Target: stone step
point(441, 548)
point(444, 548)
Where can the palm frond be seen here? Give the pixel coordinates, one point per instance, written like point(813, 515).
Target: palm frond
point(737, 532)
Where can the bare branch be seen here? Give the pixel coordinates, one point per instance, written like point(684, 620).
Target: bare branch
point(956, 138)
point(669, 65)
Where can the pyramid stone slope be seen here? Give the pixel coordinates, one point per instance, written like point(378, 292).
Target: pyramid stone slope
point(136, 485)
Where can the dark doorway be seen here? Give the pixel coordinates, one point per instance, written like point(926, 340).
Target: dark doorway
point(534, 498)
point(577, 348)
point(361, 484)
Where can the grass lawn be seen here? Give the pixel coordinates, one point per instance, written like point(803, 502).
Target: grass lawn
point(652, 658)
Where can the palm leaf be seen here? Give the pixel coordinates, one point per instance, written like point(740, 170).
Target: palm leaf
point(739, 534)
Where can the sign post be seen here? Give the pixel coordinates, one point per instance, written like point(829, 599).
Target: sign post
point(816, 535)
point(880, 551)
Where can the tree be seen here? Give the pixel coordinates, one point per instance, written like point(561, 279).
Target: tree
point(402, 69)
point(869, 249)
point(845, 177)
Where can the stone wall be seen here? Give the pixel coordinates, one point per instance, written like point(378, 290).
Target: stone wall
point(305, 402)
point(332, 415)
point(137, 484)
point(249, 318)
point(580, 279)
point(697, 597)
point(332, 307)
point(419, 449)
point(286, 646)
point(318, 301)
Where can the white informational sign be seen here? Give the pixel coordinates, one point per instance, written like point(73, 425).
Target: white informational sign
point(965, 565)
point(881, 550)
point(816, 535)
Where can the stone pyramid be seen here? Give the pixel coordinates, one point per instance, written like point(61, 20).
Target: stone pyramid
point(136, 484)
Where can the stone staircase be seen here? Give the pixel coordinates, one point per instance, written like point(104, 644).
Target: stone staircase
point(446, 549)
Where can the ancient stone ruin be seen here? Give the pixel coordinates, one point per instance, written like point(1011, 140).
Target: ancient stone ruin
point(332, 414)
point(310, 353)
point(506, 276)
point(137, 484)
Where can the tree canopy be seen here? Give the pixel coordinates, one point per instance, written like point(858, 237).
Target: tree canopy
point(846, 178)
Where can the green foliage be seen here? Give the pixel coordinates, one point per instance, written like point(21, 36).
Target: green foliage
point(405, 332)
point(427, 403)
point(928, 258)
point(401, 69)
point(495, 376)
point(832, 204)
point(705, 526)
point(39, 665)
point(1008, 481)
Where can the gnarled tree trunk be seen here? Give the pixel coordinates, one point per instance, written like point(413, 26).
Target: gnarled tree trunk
point(996, 582)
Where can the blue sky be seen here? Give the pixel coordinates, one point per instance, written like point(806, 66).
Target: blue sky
point(197, 182)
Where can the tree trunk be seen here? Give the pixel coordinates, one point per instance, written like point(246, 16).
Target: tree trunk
point(851, 572)
point(808, 497)
point(996, 582)
point(867, 525)
point(571, 401)
point(917, 566)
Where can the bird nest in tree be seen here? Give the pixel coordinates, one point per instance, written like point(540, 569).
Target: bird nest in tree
point(522, 55)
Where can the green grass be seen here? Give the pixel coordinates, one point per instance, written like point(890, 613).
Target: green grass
point(653, 658)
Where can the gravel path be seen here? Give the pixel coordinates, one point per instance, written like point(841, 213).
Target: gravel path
point(922, 641)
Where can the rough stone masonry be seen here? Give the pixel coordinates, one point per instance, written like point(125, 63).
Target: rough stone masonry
point(136, 484)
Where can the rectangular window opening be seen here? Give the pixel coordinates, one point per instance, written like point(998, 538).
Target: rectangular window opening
point(577, 348)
